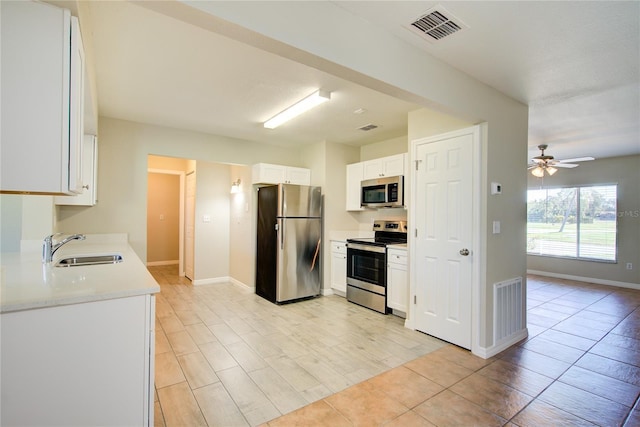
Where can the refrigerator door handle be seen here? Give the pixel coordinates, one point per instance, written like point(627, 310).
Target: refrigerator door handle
point(281, 230)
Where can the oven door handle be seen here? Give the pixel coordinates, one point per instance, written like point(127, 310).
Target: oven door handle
point(367, 248)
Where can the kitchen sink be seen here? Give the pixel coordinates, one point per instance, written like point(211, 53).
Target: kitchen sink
point(80, 260)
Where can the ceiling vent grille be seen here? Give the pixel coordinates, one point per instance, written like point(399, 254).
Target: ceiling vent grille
point(368, 127)
point(436, 24)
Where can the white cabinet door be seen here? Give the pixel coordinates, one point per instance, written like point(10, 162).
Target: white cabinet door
point(394, 165)
point(42, 99)
point(76, 111)
point(299, 176)
point(265, 173)
point(89, 196)
point(372, 169)
point(79, 364)
point(339, 267)
point(354, 178)
point(385, 166)
point(397, 280)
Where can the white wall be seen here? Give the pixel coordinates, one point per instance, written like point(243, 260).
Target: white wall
point(242, 232)
point(122, 173)
point(386, 63)
point(212, 219)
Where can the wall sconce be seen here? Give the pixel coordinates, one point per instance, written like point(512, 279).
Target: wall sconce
point(235, 186)
point(316, 98)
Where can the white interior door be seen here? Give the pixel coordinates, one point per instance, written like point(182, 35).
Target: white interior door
point(443, 216)
point(189, 225)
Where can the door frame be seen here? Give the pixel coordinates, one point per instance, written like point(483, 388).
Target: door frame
point(181, 175)
point(479, 134)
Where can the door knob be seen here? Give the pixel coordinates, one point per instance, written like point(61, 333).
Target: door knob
point(464, 252)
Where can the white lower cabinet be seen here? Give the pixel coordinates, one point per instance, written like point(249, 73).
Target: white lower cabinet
point(339, 267)
point(397, 280)
point(80, 364)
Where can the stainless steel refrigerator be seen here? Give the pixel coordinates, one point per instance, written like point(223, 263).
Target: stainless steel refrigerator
point(288, 252)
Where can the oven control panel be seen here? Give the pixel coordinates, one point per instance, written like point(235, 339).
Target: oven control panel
point(391, 226)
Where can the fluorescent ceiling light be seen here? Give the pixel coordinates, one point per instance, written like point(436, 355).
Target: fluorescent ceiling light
point(316, 98)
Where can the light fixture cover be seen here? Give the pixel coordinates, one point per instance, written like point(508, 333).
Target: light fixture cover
point(316, 98)
point(537, 172)
point(235, 186)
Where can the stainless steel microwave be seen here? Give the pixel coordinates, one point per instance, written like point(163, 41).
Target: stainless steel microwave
point(387, 192)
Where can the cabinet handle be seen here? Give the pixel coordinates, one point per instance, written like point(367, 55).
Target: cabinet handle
point(86, 187)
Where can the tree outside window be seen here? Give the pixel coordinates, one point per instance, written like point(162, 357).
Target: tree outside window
point(576, 222)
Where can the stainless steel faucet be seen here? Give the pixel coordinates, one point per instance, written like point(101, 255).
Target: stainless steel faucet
point(48, 248)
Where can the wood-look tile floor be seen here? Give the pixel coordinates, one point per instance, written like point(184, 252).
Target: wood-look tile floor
point(225, 357)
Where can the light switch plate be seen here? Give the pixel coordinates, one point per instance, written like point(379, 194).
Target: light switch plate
point(496, 227)
point(496, 188)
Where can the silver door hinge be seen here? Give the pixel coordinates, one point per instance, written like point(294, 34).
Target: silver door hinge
point(417, 163)
point(416, 232)
point(415, 299)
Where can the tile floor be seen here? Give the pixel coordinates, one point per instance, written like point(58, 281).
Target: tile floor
point(225, 357)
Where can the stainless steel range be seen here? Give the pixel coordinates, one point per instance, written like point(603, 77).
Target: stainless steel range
point(367, 264)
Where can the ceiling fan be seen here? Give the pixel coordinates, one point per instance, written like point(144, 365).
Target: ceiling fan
point(545, 162)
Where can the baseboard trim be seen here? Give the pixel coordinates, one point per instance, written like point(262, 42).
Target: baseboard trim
point(487, 352)
point(224, 279)
point(211, 281)
point(158, 263)
point(586, 279)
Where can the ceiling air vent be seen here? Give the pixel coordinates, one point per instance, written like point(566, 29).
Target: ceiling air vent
point(436, 24)
point(368, 127)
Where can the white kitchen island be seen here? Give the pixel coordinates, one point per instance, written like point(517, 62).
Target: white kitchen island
point(77, 343)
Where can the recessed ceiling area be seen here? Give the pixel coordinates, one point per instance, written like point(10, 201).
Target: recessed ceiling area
point(576, 64)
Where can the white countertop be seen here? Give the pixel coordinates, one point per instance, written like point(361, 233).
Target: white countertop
point(26, 283)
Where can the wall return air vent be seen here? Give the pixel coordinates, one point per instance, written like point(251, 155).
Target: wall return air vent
point(436, 24)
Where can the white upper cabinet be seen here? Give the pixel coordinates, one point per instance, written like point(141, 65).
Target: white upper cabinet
point(42, 99)
point(89, 195)
point(265, 173)
point(371, 169)
point(385, 166)
point(355, 173)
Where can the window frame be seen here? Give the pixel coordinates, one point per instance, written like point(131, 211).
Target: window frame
point(578, 189)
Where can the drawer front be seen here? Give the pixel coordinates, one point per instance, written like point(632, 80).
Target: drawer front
point(397, 257)
point(339, 247)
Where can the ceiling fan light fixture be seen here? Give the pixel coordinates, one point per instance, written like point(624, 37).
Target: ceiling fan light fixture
point(551, 170)
point(316, 98)
point(538, 172)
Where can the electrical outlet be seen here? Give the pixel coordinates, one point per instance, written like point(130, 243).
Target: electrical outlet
point(629, 266)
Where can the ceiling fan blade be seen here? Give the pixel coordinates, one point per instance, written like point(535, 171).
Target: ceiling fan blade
point(577, 159)
point(532, 166)
point(565, 165)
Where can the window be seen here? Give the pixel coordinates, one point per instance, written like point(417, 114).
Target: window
point(554, 227)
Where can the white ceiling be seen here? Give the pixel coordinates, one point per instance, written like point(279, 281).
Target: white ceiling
point(576, 64)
